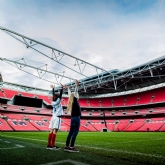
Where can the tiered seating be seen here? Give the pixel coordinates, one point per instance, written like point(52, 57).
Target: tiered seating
point(94, 102)
point(110, 125)
point(88, 126)
point(14, 116)
point(117, 113)
point(135, 125)
point(2, 95)
point(44, 110)
point(21, 125)
point(38, 122)
point(159, 110)
point(64, 127)
point(85, 113)
point(143, 111)
point(131, 99)
point(65, 123)
point(97, 125)
point(34, 117)
point(20, 109)
point(83, 102)
point(28, 109)
point(159, 95)
point(130, 112)
point(122, 125)
point(25, 94)
point(118, 101)
point(4, 126)
point(95, 113)
point(146, 97)
point(106, 102)
point(17, 122)
point(162, 128)
point(10, 93)
point(10, 108)
point(158, 119)
point(44, 98)
point(83, 129)
point(151, 126)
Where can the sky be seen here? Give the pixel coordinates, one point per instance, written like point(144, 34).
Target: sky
point(110, 34)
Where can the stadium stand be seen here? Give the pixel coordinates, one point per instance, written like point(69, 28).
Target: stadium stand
point(121, 125)
point(21, 125)
point(131, 99)
point(39, 122)
point(146, 97)
point(98, 125)
point(130, 117)
point(134, 125)
point(118, 101)
point(110, 125)
point(94, 102)
point(10, 93)
point(83, 102)
point(150, 126)
point(159, 96)
point(106, 102)
point(4, 126)
point(2, 95)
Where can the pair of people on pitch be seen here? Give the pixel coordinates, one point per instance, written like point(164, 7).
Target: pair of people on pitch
point(75, 110)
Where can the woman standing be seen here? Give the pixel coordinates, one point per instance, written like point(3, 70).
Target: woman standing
point(75, 110)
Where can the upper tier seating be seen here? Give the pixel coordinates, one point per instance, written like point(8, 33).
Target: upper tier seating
point(106, 102)
point(2, 95)
point(159, 96)
point(83, 102)
point(118, 101)
point(145, 97)
point(131, 99)
point(9, 93)
point(25, 94)
point(94, 102)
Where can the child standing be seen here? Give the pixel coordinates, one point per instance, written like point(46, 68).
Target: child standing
point(55, 120)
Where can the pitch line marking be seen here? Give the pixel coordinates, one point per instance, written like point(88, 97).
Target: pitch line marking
point(97, 148)
point(17, 146)
point(137, 141)
point(66, 161)
point(7, 142)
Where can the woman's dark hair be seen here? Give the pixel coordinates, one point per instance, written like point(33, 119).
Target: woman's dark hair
point(55, 97)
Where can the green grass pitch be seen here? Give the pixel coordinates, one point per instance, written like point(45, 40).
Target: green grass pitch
point(96, 148)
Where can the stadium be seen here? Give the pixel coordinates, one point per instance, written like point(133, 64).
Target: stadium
point(115, 49)
point(122, 108)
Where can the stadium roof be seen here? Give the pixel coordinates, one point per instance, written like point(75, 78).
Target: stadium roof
point(145, 75)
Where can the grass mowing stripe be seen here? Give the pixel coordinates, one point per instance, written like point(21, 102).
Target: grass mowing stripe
point(98, 148)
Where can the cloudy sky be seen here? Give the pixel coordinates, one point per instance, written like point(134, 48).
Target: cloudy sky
point(111, 34)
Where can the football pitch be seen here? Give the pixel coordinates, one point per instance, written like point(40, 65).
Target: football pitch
point(96, 148)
